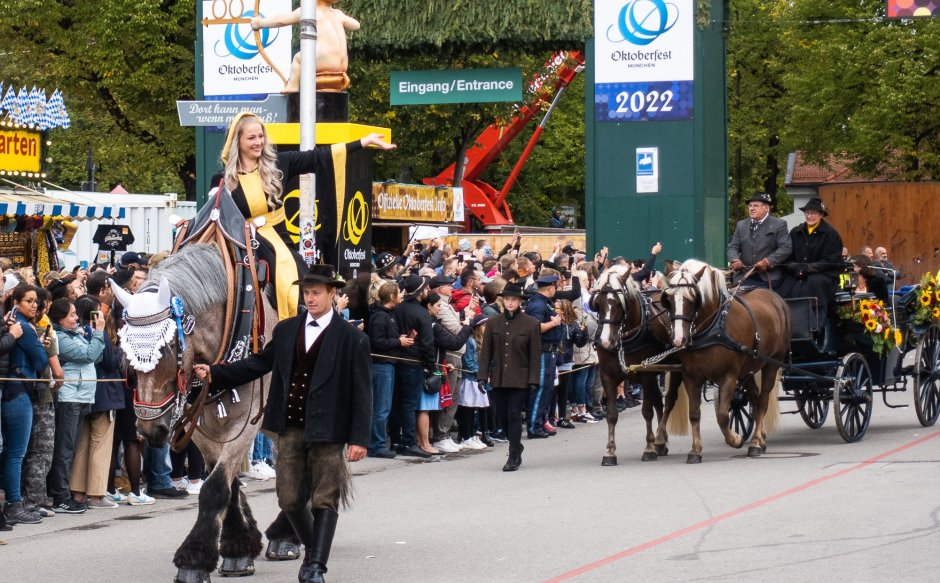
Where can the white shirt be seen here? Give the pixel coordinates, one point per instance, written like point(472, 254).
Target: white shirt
point(311, 333)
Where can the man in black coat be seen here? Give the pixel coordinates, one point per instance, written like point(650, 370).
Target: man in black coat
point(320, 407)
point(759, 241)
point(817, 259)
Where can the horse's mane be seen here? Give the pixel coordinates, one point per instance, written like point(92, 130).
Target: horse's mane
point(623, 278)
point(196, 274)
point(711, 283)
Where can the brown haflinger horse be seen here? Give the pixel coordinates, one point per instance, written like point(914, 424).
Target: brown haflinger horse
point(152, 341)
point(724, 339)
point(630, 330)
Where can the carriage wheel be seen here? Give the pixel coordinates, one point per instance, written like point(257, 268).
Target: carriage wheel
point(813, 410)
point(927, 378)
point(740, 416)
point(852, 397)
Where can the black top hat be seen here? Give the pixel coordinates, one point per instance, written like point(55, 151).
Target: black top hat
point(761, 197)
point(321, 274)
point(413, 284)
point(384, 261)
point(815, 204)
point(512, 290)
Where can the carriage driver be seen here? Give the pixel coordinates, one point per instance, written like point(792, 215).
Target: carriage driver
point(319, 406)
point(761, 242)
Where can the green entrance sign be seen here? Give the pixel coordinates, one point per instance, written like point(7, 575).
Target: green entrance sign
point(456, 86)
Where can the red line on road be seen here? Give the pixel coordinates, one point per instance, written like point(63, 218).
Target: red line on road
point(732, 513)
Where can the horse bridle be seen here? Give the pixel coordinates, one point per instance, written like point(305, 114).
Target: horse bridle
point(175, 399)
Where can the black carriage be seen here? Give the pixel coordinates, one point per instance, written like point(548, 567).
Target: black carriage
point(834, 365)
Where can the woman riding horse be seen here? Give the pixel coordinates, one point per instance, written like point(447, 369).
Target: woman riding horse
point(256, 177)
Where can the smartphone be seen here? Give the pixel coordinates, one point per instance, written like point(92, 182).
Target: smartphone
point(413, 333)
point(84, 264)
point(355, 322)
point(93, 315)
point(48, 331)
point(13, 312)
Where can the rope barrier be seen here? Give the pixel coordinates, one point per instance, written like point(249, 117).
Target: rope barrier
point(10, 379)
point(442, 366)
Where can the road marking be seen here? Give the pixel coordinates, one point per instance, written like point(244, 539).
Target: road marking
point(732, 513)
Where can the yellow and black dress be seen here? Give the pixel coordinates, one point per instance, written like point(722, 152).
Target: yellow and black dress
point(278, 236)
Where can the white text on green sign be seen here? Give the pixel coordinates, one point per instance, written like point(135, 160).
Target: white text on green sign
point(456, 86)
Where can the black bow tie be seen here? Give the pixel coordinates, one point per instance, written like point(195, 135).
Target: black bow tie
point(313, 323)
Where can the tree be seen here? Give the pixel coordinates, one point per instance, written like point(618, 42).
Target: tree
point(862, 88)
point(121, 65)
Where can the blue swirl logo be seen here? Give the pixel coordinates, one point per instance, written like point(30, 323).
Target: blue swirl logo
point(239, 40)
point(640, 22)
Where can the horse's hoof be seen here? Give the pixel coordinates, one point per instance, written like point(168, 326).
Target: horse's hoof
point(694, 458)
point(649, 456)
point(282, 550)
point(661, 449)
point(763, 449)
point(187, 575)
point(609, 460)
point(237, 566)
point(754, 451)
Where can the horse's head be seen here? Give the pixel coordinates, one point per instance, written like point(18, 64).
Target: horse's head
point(149, 340)
point(694, 289)
point(614, 295)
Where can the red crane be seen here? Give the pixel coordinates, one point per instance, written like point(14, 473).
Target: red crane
point(483, 200)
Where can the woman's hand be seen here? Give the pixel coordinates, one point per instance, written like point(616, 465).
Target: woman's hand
point(99, 321)
point(377, 141)
point(16, 329)
point(406, 340)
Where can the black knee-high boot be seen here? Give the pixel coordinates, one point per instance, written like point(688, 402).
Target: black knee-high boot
point(318, 551)
point(302, 521)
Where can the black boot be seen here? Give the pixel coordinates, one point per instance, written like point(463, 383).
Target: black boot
point(514, 461)
point(302, 521)
point(3, 522)
point(318, 549)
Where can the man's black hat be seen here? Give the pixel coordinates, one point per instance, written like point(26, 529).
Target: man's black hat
point(761, 197)
point(439, 280)
point(384, 261)
point(321, 274)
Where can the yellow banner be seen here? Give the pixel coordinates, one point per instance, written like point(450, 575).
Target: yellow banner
point(20, 150)
point(412, 202)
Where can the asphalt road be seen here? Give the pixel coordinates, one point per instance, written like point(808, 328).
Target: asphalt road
point(814, 508)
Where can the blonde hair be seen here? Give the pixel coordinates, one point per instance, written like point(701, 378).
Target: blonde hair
point(271, 175)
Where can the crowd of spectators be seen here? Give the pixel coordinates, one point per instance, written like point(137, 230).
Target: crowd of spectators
point(69, 441)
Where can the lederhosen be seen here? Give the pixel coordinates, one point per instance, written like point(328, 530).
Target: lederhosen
point(326, 478)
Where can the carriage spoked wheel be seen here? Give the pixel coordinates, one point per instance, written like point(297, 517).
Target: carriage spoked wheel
point(740, 416)
point(852, 397)
point(927, 378)
point(813, 409)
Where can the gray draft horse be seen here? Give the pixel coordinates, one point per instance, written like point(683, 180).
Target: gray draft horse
point(224, 524)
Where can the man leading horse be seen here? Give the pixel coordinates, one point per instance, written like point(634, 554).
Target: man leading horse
point(320, 408)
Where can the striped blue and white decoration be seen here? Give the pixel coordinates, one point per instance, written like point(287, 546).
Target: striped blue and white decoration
point(74, 211)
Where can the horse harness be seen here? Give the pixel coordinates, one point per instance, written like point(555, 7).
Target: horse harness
point(636, 338)
point(242, 333)
point(714, 332)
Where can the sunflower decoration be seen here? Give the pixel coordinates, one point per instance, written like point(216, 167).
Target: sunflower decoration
point(876, 321)
point(927, 310)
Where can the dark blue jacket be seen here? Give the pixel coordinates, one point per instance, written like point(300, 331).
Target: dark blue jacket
point(543, 309)
point(27, 360)
point(109, 396)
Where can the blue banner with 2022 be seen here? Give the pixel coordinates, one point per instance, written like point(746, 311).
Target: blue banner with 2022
point(644, 58)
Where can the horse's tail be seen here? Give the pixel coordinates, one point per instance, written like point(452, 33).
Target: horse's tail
point(772, 417)
point(678, 423)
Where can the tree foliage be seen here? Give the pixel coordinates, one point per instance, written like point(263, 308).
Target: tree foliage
point(121, 65)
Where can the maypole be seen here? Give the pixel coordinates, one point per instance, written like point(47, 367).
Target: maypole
point(308, 125)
